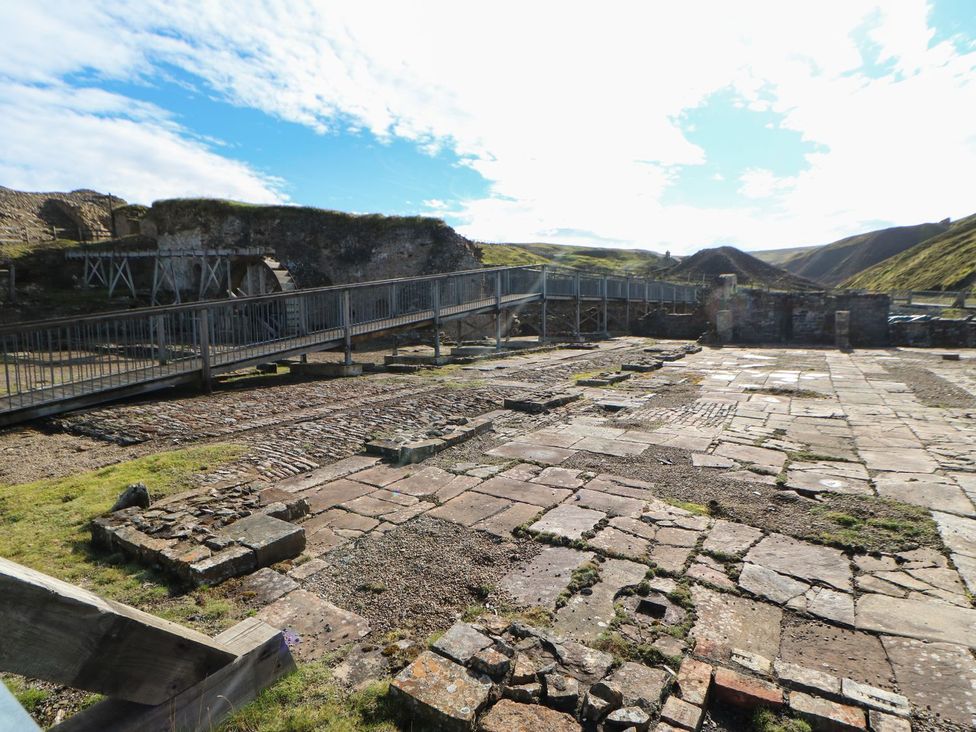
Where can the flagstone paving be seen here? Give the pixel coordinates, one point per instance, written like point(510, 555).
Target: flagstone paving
point(788, 429)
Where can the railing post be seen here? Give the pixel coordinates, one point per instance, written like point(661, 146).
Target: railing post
point(576, 330)
point(203, 334)
point(436, 303)
point(160, 321)
point(347, 326)
point(12, 280)
point(606, 321)
point(542, 324)
point(498, 310)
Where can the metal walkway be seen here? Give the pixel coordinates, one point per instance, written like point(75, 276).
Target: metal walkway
point(53, 366)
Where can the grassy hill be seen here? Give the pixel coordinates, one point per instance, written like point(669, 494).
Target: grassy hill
point(777, 257)
point(749, 270)
point(600, 259)
point(833, 263)
point(947, 261)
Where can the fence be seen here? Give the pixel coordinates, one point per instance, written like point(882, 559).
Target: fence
point(50, 366)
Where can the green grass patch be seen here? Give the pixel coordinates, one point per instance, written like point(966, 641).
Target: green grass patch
point(44, 525)
point(30, 697)
point(696, 508)
point(766, 720)
point(309, 701)
point(864, 523)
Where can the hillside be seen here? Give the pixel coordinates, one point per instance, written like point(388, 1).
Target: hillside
point(610, 261)
point(710, 263)
point(28, 219)
point(777, 257)
point(944, 262)
point(833, 263)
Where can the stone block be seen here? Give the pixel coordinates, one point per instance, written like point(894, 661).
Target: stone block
point(875, 698)
point(272, 540)
point(694, 681)
point(230, 562)
point(461, 643)
point(491, 663)
point(881, 722)
point(627, 718)
point(681, 714)
point(827, 716)
point(441, 692)
point(526, 693)
point(638, 685)
point(329, 370)
point(746, 691)
point(510, 716)
point(562, 692)
point(806, 679)
point(420, 450)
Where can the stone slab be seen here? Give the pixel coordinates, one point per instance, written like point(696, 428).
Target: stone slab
point(619, 543)
point(586, 616)
point(266, 585)
point(525, 492)
point(567, 521)
point(914, 618)
point(318, 627)
point(559, 478)
point(827, 715)
point(752, 455)
point(469, 508)
point(540, 581)
point(461, 643)
point(334, 493)
point(805, 561)
point(511, 716)
point(612, 505)
point(940, 677)
point(726, 622)
point(535, 453)
point(837, 651)
point(505, 521)
point(729, 538)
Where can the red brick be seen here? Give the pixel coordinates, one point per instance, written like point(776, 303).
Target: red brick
point(826, 715)
point(694, 681)
point(746, 691)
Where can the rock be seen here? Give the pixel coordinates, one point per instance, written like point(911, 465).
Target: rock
point(746, 691)
point(827, 715)
point(595, 708)
point(562, 692)
point(524, 670)
point(627, 718)
point(694, 681)
point(510, 716)
point(441, 692)
point(134, 495)
point(491, 663)
point(636, 685)
point(681, 714)
point(525, 693)
point(461, 643)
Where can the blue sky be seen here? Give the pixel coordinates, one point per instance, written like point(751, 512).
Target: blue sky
point(773, 124)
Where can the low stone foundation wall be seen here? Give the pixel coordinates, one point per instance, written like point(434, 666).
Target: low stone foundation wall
point(936, 332)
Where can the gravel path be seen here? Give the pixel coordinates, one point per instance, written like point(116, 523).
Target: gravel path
point(419, 576)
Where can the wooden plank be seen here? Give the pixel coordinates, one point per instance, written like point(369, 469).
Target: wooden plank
point(263, 659)
point(12, 715)
point(58, 632)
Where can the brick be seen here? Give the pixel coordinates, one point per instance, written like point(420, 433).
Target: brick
point(681, 714)
point(746, 691)
point(826, 715)
point(694, 681)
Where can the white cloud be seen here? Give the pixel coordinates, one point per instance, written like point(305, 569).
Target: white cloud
point(569, 110)
point(60, 138)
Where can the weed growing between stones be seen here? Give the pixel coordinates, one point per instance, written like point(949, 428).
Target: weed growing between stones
point(765, 720)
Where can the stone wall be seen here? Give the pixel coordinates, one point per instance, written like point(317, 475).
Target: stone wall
point(936, 332)
point(761, 316)
point(317, 247)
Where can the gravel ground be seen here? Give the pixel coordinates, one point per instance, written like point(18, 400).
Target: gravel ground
point(419, 576)
point(930, 388)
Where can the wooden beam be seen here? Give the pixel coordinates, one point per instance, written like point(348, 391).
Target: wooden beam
point(263, 658)
point(58, 632)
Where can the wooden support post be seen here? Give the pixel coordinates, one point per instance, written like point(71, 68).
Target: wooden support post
point(204, 337)
point(347, 326)
point(70, 636)
point(542, 318)
point(576, 327)
point(435, 296)
point(262, 658)
point(498, 310)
